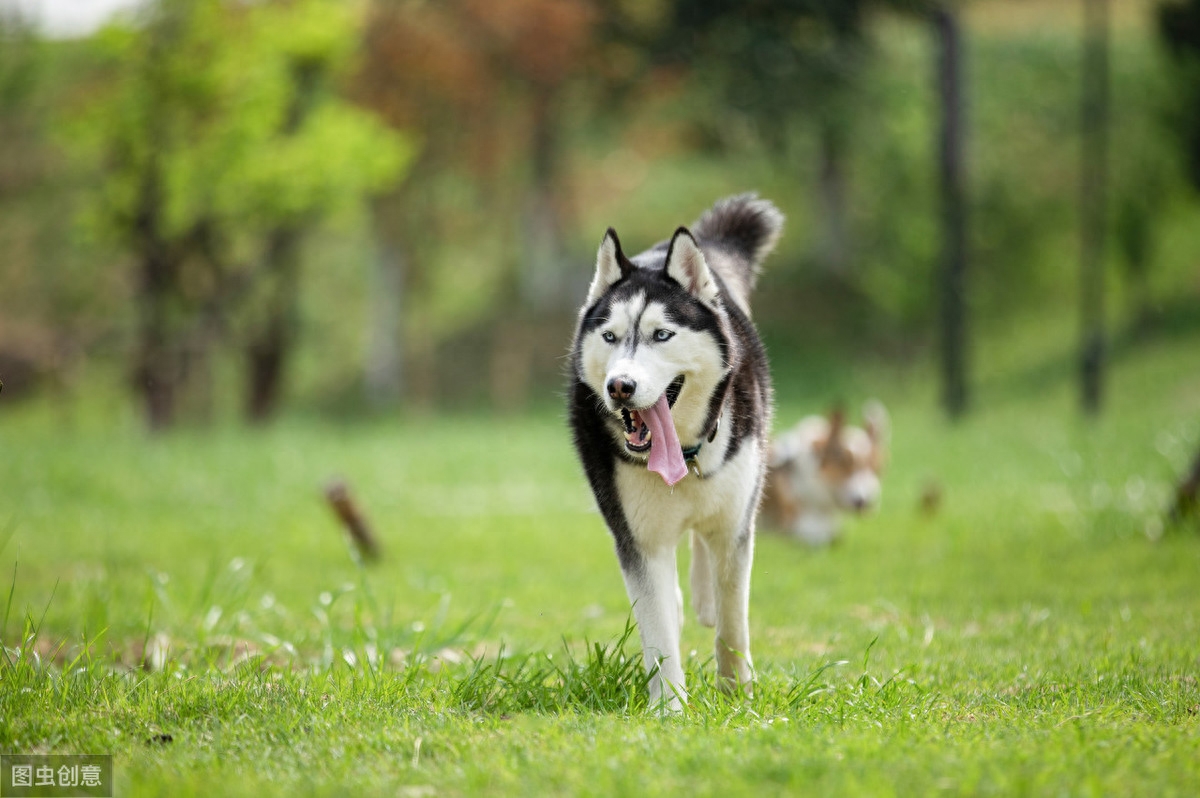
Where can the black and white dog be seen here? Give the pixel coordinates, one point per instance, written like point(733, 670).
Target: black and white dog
point(668, 372)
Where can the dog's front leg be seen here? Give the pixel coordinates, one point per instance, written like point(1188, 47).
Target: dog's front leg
point(653, 587)
point(732, 556)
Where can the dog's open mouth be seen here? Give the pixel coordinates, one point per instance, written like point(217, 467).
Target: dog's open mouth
point(637, 431)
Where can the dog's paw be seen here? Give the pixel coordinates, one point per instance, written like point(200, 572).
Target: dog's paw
point(733, 685)
point(735, 669)
point(671, 708)
point(669, 700)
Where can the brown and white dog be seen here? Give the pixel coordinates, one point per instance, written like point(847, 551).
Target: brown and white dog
point(823, 468)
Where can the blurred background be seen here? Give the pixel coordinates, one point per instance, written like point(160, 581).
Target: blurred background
point(223, 209)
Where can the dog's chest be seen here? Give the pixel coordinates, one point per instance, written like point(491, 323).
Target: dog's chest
point(658, 514)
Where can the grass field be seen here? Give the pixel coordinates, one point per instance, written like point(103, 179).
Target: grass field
point(1038, 633)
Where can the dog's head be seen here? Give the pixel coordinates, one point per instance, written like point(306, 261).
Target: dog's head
point(830, 462)
point(652, 337)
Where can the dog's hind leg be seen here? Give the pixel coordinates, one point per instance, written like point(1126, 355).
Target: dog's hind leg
point(679, 607)
point(704, 600)
point(653, 586)
point(732, 556)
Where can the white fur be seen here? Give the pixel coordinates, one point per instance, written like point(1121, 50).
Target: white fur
point(735, 279)
point(715, 511)
point(686, 265)
point(653, 365)
point(608, 269)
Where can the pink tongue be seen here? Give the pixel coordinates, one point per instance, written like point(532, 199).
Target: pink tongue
point(666, 456)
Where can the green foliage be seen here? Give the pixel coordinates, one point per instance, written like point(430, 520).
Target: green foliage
point(209, 94)
point(222, 140)
point(781, 62)
point(1022, 170)
point(608, 679)
point(20, 62)
point(204, 107)
point(1179, 29)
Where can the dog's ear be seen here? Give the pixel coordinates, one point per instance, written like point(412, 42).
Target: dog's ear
point(879, 430)
point(611, 266)
point(686, 265)
point(832, 443)
point(837, 421)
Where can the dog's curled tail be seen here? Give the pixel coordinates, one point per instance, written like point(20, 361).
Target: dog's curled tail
point(746, 225)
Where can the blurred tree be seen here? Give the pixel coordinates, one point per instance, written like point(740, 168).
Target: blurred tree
point(20, 64)
point(540, 46)
point(784, 64)
point(421, 70)
point(954, 204)
point(802, 61)
point(220, 143)
point(1142, 190)
point(312, 43)
point(1094, 202)
point(1179, 28)
point(482, 83)
point(1146, 170)
point(22, 353)
point(58, 301)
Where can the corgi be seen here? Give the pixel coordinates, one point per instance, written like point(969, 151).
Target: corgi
point(823, 468)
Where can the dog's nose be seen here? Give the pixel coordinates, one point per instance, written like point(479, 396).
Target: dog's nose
point(621, 388)
point(859, 502)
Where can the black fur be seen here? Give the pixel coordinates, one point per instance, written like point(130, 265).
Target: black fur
point(600, 466)
point(744, 224)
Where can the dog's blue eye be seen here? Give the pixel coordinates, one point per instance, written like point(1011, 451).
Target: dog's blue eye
point(663, 335)
point(610, 336)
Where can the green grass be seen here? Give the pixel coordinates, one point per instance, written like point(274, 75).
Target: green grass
point(1037, 634)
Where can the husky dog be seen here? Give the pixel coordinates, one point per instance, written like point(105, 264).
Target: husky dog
point(823, 468)
point(667, 372)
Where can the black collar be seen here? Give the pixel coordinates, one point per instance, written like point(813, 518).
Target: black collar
point(692, 452)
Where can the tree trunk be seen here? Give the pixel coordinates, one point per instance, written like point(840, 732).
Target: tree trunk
point(1186, 493)
point(155, 375)
point(540, 284)
point(1093, 203)
point(834, 247)
point(1135, 242)
point(541, 257)
point(156, 371)
point(951, 171)
point(384, 376)
point(271, 345)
